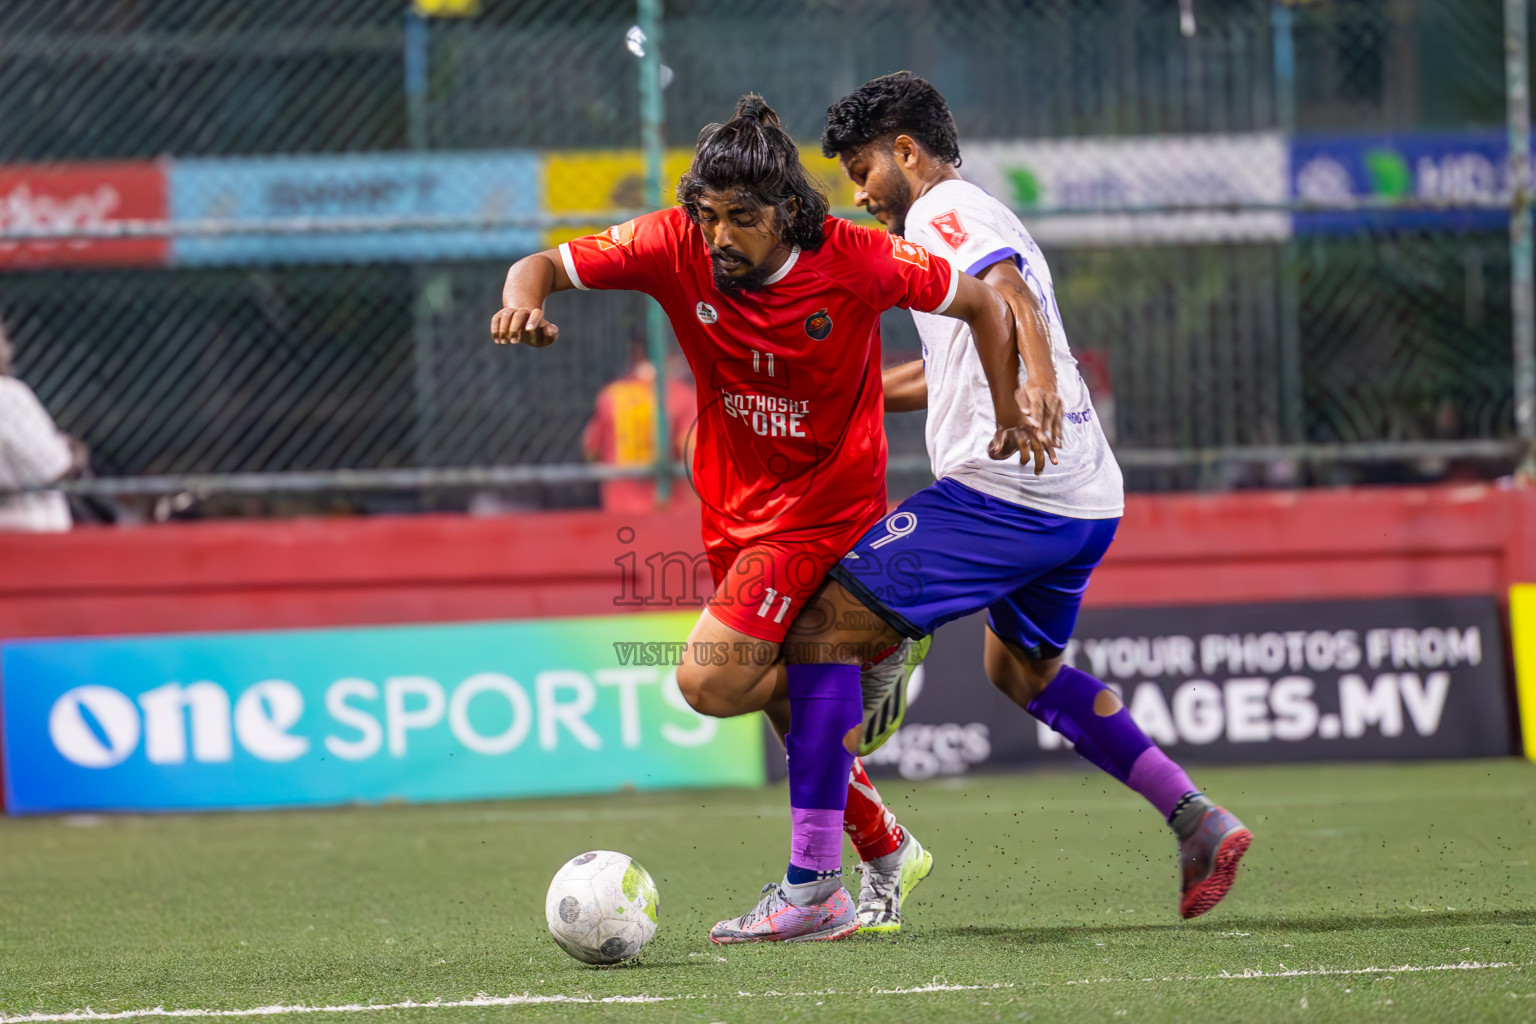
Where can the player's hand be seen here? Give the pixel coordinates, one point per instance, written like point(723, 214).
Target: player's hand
point(1028, 441)
point(1043, 415)
point(1004, 443)
point(523, 327)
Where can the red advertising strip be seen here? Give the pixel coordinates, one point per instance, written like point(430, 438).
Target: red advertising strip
point(61, 197)
point(1172, 549)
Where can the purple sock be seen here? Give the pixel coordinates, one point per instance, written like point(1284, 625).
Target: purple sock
point(1158, 777)
point(824, 703)
point(1113, 742)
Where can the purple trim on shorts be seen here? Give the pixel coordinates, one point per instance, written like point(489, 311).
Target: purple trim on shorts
point(869, 599)
point(993, 256)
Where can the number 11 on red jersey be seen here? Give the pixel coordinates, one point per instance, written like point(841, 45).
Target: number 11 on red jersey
point(767, 605)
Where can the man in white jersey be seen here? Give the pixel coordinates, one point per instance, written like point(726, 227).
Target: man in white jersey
point(1019, 540)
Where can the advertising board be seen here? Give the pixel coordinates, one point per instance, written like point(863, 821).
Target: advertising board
point(442, 712)
point(382, 186)
point(64, 197)
point(1238, 684)
point(1458, 171)
point(1522, 635)
point(1201, 177)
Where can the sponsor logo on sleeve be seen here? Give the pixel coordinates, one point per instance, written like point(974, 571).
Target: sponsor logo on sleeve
point(909, 252)
point(618, 235)
point(706, 313)
point(950, 229)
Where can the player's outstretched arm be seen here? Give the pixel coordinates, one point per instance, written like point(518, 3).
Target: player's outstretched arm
point(991, 323)
point(530, 281)
point(1039, 397)
point(906, 387)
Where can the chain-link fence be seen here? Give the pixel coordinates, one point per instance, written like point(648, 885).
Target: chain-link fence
point(252, 249)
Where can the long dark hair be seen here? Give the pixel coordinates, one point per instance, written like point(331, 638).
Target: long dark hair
point(752, 155)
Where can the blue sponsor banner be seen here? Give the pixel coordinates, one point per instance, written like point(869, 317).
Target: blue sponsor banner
point(375, 185)
point(448, 712)
point(1461, 168)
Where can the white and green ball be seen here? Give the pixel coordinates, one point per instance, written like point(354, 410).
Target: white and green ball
point(601, 907)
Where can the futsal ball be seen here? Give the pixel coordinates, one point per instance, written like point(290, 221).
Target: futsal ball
point(601, 907)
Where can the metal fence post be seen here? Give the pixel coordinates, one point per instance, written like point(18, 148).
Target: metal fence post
point(652, 118)
point(1292, 399)
point(425, 373)
point(415, 60)
point(1522, 297)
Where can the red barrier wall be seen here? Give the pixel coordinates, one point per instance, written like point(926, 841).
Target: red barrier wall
point(1172, 549)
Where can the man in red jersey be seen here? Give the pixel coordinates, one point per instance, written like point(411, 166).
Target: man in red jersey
point(777, 307)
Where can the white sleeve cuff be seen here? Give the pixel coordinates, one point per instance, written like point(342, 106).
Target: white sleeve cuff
point(570, 265)
point(954, 286)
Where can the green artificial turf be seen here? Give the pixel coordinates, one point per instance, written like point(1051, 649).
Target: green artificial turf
point(1058, 889)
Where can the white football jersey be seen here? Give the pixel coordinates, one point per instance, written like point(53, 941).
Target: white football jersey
point(961, 222)
point(32, 453)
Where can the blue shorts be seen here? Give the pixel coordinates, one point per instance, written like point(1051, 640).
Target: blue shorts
point(949, 550)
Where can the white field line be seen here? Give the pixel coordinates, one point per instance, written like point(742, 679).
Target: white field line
point(1256, 972)
point(443, 1004)
point(528, 999)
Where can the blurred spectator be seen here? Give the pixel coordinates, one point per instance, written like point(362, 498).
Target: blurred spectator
point(622, 431)
point(1093, 365)
point(33, 452)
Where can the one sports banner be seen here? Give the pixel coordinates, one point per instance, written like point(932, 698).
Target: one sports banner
point(393, 189)
point(1238, 684)
point(442, 712)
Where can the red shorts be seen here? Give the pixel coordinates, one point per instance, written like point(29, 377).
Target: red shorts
point(762, 584)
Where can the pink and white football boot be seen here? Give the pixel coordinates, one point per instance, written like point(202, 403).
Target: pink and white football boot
point(775, 919)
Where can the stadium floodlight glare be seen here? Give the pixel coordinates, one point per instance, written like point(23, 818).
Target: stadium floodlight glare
point(634, 41)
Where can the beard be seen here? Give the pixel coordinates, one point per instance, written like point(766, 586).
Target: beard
point(751, 281)
point(899, 203)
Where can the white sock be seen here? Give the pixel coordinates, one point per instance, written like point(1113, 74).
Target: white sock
point(808, 894)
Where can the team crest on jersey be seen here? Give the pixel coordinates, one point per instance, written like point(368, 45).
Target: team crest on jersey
point(619, 234)
point(950, 229)
point(909, 252)
point(818, 325)
point(706, 313)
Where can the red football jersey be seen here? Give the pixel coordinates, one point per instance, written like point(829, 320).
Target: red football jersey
point(790, 433)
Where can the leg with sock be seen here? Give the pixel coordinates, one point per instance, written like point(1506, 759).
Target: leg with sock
point(892, 860)
point(1101, 730)
point(1211, 840)
point(869, 823)
point(811, 902)
point(824, 705)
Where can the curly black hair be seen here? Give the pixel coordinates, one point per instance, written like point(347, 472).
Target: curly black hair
point(899, 104)
point(752, 155)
